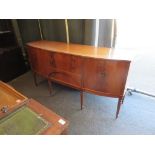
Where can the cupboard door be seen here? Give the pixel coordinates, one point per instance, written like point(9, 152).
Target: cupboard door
point(42, 58)
point(38, 60)
point(32, 54)
point(105, 76)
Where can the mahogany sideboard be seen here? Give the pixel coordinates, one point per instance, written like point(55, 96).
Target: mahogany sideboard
point(96, 70)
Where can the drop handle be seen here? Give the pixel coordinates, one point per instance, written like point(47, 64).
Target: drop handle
point(52, 61)
point(103, 74)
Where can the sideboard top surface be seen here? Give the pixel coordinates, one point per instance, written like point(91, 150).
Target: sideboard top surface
point(81, 50)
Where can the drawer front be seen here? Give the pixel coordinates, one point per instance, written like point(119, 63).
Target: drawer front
point(105, 76)
point(65, 62)
point(66, 78)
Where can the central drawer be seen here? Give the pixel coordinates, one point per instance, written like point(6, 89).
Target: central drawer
point(66, 69)
point(69, 63)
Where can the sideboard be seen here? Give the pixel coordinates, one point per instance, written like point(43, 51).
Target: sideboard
point(96, 70)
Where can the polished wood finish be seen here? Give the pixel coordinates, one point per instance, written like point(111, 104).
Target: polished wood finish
point(13, 99)
point(101, 71)
point(9, 96)
point(79, 50)
point(105, 77)
point(10, 99)
point(65, 69)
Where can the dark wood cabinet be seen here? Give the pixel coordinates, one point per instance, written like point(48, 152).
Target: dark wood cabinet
point(80, 66)
point(12, 62)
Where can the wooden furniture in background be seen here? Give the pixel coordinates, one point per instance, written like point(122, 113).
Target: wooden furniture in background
point(99, 70)
point(13, 100)
point(11, 59)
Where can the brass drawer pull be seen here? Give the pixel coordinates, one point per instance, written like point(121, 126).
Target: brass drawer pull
point(73, 63)
point(103, 74)
point(57, 72)
point(52, 61)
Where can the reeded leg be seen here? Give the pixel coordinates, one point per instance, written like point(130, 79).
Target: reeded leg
point(35, 78)
point(118, 107)
point(81, 95)
point(50, 86)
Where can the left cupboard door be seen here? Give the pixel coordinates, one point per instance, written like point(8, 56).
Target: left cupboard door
point(39, 61)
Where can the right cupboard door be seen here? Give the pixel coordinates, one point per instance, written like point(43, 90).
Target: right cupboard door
point(105, 77)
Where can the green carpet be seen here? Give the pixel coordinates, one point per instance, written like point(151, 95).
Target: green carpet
point(24, 121)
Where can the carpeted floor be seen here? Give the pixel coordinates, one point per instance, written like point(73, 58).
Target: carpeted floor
point(137, 115)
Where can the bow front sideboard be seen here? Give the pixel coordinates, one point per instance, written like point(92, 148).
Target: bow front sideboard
point(98, 70)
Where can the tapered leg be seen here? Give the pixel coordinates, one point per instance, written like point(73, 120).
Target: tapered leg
point(65, 132)
point(118, 107)
point(50, 87)
point(81, 95)
point(35, 78)
point(124, 96)
point(123, 99)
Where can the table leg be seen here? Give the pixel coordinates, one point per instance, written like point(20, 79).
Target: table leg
point(81, 95)
point(123, 99)
point(65, 132)
point(35, 78)
point(50, 87)
point(118, 106)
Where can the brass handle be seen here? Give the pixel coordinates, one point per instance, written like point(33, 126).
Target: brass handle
point(73, 63)
point(103, 74)
point(52, 61)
